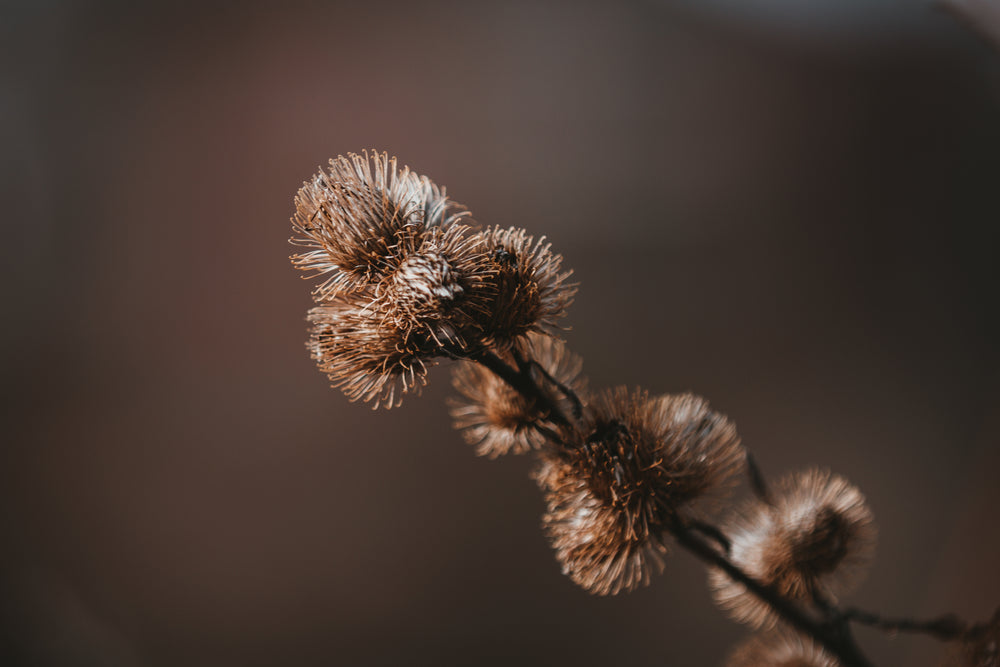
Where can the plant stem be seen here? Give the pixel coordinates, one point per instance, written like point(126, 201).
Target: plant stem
point(831, 629)
point(522, 382)
point(946, 628)
point(836, 638)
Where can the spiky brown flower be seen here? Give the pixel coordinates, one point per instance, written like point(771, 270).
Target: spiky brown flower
point(498, 420)
point(530, 292)
point(360, 219)
point(366, 358)
point(817, 537)
point(441, 289)
point(780, 649)
point(613, 491)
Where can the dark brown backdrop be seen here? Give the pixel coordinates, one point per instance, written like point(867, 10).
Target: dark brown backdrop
point(797, 220)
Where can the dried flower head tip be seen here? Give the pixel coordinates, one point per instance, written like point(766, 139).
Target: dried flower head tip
point(498, 420)
point(530, 291)
point(817, 537)
point(780, 649)
point(614, 491)
point(362, 217)
point(367, 359)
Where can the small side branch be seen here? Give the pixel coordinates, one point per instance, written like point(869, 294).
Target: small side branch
point(835, 638)
point(758, 483)
point(521, 381)
point(946, 628)
point(566, 391)
point(712, 533)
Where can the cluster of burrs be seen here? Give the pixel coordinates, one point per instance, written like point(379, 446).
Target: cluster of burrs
point(408, 279)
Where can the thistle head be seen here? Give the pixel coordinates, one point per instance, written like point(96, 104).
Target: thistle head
point(529, 289)
point(816, 536)
point(362, 217)
point(618, 483)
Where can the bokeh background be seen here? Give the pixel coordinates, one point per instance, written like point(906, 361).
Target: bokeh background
point(788, 207)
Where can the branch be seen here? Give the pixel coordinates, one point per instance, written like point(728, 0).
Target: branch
point(836, 638)
point(946, 628)
point(521, 381)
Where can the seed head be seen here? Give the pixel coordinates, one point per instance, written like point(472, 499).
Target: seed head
point(497, 419)
point(368, 358)
point(616, 486)
point(440, 290)
point(780, 649)
point(818, 536)
point(361, 218)
point(530, 292)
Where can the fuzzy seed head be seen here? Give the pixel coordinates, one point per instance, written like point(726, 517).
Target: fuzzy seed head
point(530, 291)
point(818, 536)
point(358, 220)
point(441, 290)
point(366, 358)
point(614, 490)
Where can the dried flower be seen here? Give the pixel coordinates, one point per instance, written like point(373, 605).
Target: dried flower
point(499, 420)
point(615, 488)
point(368, 359)
point(816, 537)
point(441, 290)
point(362, 218)
point(530, 291)
point(780, 649)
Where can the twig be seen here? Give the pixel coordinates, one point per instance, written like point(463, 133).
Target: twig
point(946, 628)
point(521, 382)
point(835, 638)
point(711, 532)
point(757, 481)
point(566, 391)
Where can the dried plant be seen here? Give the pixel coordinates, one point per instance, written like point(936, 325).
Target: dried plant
point(407, 279)
point(814, 537)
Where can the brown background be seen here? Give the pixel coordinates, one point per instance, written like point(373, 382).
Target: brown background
point(796, 218)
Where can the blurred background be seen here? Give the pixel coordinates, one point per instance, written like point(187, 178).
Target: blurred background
point(788, 207)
